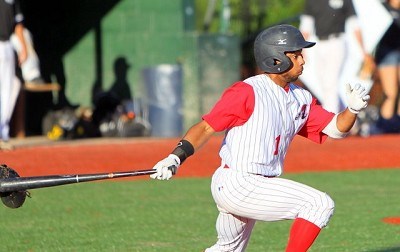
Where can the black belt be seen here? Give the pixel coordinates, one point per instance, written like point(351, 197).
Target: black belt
point(330, 36)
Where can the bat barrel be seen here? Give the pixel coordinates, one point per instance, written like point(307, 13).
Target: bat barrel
point(25, 183)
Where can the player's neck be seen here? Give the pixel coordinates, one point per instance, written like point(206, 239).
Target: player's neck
point(277, 79)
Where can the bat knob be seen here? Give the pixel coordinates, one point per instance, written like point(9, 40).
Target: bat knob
point(13, 199)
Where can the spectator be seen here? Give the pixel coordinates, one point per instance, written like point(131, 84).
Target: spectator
point(120, 87)
point(11, 19)
point(326, 20)
point(31, 67)
point(388, 68)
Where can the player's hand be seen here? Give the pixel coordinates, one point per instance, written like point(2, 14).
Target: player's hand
point(357, 97)
point(166, 168)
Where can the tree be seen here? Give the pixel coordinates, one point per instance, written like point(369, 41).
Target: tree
point(246, 17)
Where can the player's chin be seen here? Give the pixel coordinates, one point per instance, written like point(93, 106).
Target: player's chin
point(297, 75)
point(292, 76)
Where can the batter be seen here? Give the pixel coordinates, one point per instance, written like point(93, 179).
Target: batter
point(261, 115)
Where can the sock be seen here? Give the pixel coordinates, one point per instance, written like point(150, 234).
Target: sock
point(302, 235)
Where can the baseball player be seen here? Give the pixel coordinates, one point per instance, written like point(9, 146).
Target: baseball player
point(10, 21)
point(260, 116)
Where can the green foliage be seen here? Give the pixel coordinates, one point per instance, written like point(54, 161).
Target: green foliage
point(249, 16)
point(179, 215)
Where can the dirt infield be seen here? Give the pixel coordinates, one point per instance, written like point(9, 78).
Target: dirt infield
point(110, 155)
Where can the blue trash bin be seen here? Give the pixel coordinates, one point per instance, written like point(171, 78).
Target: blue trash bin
point(163, 85)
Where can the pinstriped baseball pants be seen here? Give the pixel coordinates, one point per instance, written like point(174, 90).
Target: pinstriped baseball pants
point(7, 75)
point(242, 199)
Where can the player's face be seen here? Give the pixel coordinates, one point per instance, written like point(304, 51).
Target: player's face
point(297, 66)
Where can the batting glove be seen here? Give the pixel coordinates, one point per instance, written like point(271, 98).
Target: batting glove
point(166, 168)
point(357, 98)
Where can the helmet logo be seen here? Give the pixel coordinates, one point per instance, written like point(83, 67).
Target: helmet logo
point(282, 42)
point(336, 4)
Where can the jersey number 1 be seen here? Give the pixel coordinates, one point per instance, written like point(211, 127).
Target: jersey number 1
point(277, 140)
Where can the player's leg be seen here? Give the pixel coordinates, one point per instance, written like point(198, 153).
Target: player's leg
point(311, 217)
point(388, 77)
point(272, 199)
point(233, 233)
point(388, 61)
point(302, 235)
point(7, 79)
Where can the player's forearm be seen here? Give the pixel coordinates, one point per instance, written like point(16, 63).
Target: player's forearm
point(199, 134)
point(19, 32)
point(345, 120)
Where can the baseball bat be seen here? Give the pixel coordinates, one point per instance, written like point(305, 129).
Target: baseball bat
point(25, 183)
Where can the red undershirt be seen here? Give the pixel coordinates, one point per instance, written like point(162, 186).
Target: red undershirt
point(237, 104)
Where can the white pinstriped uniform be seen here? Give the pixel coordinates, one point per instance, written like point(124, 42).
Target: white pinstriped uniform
point(256, 148)
point(7, 75)
point(10, 14)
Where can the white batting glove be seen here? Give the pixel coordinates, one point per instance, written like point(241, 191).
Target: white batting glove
point(357, 98)
point(166, 168)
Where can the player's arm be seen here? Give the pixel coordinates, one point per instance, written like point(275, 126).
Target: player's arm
point(345, 120)
point(19, 32)
point(199, 134)
point(342, 123)
point(194, 138)
point(234, 108)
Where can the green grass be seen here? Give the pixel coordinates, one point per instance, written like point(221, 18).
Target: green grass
point(179, 215)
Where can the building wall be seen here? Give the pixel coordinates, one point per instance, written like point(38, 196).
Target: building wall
point(146, 33)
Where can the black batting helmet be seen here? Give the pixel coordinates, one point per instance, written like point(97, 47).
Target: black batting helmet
point(272, 43)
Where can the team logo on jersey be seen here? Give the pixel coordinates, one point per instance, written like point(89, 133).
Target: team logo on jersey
point(302, 114)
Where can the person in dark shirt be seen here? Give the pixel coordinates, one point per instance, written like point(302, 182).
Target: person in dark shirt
point(327, 19)
point(388, 67)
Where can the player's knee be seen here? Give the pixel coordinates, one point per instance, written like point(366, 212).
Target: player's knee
point(329, 204)
point(319, 210)
point(326, 209)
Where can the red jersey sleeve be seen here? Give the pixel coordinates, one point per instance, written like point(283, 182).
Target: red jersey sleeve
point(317, 120)
point(234, 107)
